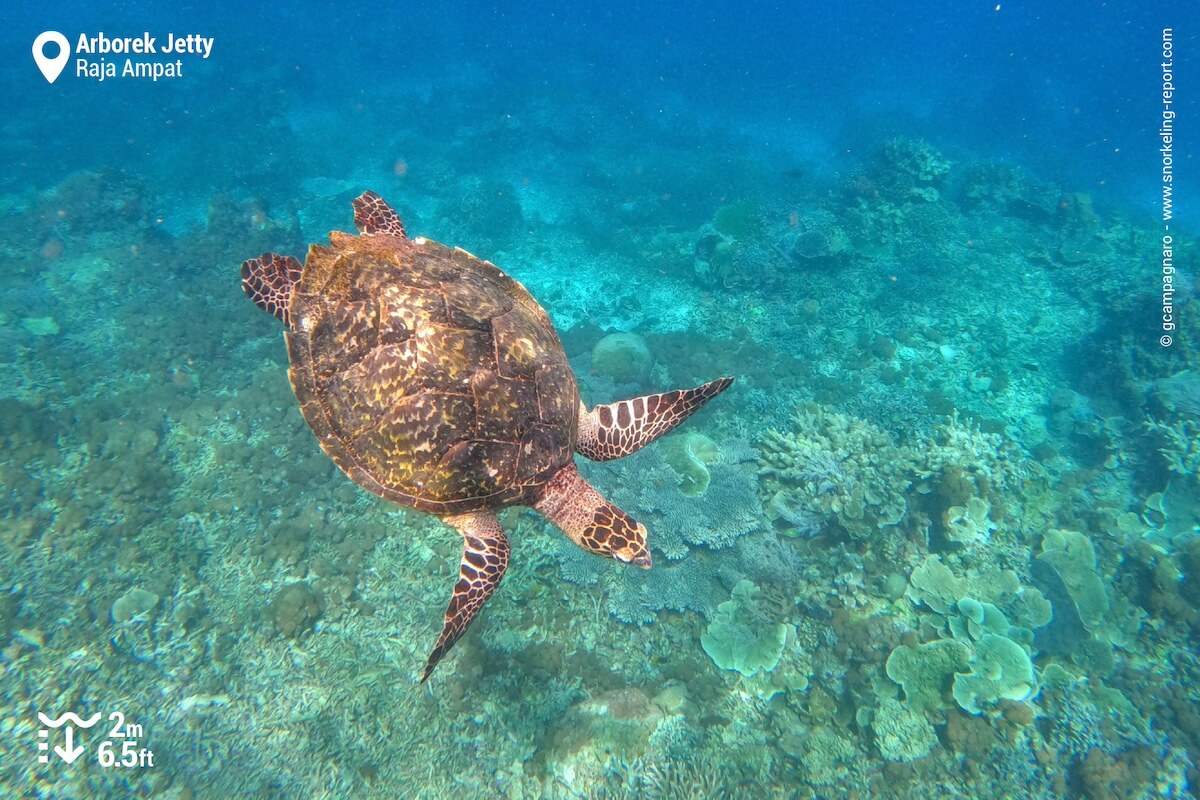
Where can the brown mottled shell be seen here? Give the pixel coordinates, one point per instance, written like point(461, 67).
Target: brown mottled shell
point(429, 376)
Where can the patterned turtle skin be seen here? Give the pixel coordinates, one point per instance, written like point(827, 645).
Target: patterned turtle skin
point(434, 380)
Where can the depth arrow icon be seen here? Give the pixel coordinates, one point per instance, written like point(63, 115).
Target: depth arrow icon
point(71, 751)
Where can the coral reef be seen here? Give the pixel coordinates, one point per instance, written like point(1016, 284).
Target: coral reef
point(846, 470)
point(985, 659)
point(941, 543)
point(624, 358)
point(902, 732)
point(850, 472)
point(690, 455)
point(1073, 559)
point(1000, 670)
point(681, 519)
point(1180, 393)
point(741, 637)
point(925, 671)
point(688, 585)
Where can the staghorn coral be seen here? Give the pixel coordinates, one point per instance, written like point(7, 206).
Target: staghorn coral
point(1082, 714)
point(671, 780)
point(650, 778)
point(839, 467)
point(1179, 444)
point(850, 471)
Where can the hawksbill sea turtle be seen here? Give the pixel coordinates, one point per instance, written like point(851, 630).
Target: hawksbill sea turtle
point(437, 382)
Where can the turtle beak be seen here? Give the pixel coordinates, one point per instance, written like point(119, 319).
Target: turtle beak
point(634, 553)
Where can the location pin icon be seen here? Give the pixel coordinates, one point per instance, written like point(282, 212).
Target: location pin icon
point(51, 67)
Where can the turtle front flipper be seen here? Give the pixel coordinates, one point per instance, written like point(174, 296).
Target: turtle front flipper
point(268, 280)
point(484, 558)
point(590, 521)
point(618, 429)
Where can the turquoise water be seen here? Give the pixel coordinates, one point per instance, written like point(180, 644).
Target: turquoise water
point(938, 540)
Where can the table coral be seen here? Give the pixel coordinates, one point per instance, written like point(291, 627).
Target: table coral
point(1073, 557)
point(925, 671)
point(636, 597)
point(740, 639)
point(1000, 670)
point(934, 585)
point(728, 509)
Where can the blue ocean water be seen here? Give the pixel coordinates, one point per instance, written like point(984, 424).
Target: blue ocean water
point(938, 538)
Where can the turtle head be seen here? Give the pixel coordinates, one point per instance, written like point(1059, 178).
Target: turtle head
point(634, 550)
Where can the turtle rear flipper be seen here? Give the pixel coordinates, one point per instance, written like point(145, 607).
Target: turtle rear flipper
point(484, 559)
point(618, 429)
point(373, 215)
point(268, 280)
